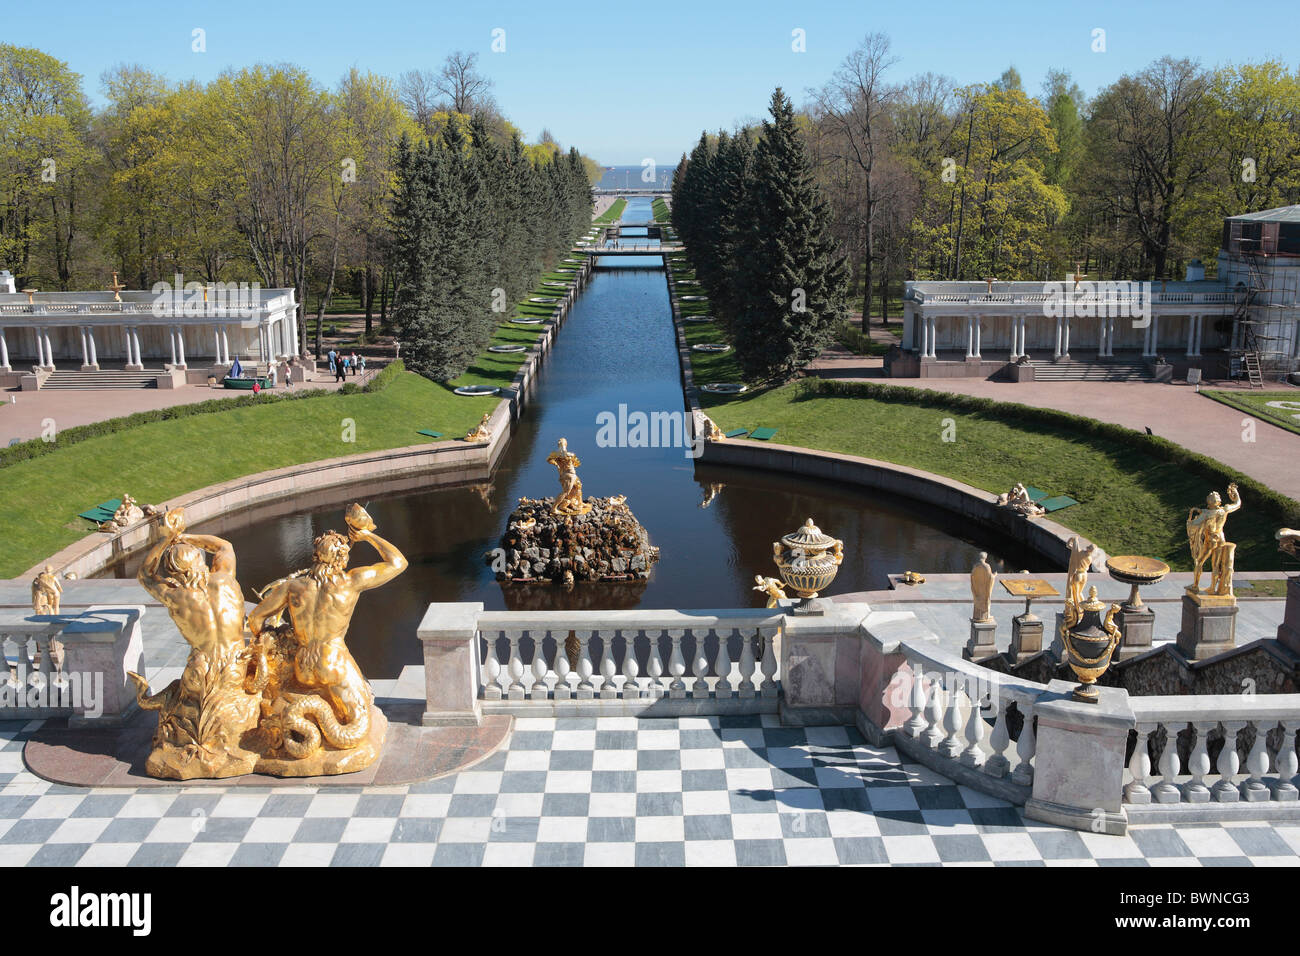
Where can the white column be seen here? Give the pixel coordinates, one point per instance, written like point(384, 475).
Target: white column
point(216, 337)
point(1191, 336)
point(1066, 346)
point(4, 352)
point(1199, 324)
point(934, 337)
point(180, 343)
point(1155, 334)
point(978, 331)
point(970, 336)
point(1101, 336)
point(94, 356)
point(49, 348)
point(133, 340)
point(85, 350)
point(171, 332)
point(1057, 353)
point(293, 333)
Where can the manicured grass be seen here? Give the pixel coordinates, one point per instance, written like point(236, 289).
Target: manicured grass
point(612, 214)
point(1256, 404)
point(660, 209)
point(160, 460)
point(1134, 491)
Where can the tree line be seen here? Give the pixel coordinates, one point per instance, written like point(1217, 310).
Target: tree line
point(758, 231)
point(927, 179)
point(261, 175)
point(474, 223)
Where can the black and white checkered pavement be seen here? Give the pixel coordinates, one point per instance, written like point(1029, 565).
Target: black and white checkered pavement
point(612, 791)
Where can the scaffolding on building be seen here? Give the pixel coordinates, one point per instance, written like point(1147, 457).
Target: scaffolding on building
point(1264, 320)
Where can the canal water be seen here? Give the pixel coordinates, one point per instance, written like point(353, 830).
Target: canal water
point(617, 348)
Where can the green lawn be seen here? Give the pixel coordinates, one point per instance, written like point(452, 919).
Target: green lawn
point(611, 214)
point(660, 209)
point(1256, 404)
point(1133, 497)
point(160, 460)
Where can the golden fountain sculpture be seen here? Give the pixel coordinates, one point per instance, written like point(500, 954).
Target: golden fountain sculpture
point(481, 432)
point(47, 592)
point(569, 501)
point(1208, 544)
point(291, 702)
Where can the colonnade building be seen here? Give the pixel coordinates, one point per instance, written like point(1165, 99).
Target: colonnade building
point(177, 336)
point(1245, 323)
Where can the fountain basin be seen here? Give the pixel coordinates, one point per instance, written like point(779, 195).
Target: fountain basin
point(476, 390)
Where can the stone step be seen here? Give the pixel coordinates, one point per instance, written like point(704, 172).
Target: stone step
point(1091, 372)
point(102, 379)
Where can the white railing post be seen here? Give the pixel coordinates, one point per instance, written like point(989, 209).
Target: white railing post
point(973, 755)
point(700, 664)
point(1224, 790)
point(654, 666)
point(631, 687)
point(586, 690)
point(997, 764)
point(722, 666)
point(1287, 763)
point(934, 714)
point(676, 665)
point(747, 666)
point(562, 689)
point(1254, 790)
point(1026, 746)
point(515, 668)
point(1198, 764)
point(491, 667)
point(916, 703)
point(1139, 766)
point(608, 689)
point(539, 690)
point(951, 746)
point(768, 666)
point(1166, 791)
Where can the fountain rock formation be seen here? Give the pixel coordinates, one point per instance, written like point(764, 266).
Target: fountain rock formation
point(605, 543)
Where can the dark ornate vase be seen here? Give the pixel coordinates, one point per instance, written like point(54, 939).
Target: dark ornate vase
point(1089, 645)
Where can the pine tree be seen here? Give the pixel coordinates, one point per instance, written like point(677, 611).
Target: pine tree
point(791, 284)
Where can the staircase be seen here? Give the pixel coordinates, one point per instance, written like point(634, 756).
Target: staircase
point(106, 378)
point(1091, 371)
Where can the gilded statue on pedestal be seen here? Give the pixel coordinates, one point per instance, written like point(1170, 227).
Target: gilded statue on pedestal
point(569, 501)
point(205, 713)
point(292, 702)
point(47, 592)
point(318, 712)
point(1207, 542)
point(481, 432)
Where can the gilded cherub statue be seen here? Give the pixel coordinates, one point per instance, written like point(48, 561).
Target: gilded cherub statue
point(47, 592)
point(318, 712)
point(1207, 542)
point(569, 501)
point(205, 713)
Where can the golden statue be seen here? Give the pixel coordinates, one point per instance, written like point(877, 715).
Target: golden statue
point(570, 500)
point(982, 579)
point(204, 714)
point(481, 432)
point(318, 712)
point(127, 514)
point(771, 587)
point(47, 592)
point(1207, 542)
point(1076, 580)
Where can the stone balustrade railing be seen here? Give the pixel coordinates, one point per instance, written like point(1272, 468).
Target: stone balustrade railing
point(1212, 751)
point(1076, 764)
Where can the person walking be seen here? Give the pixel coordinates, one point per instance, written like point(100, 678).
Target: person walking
point(340, 370)
point(353, 364)
point(333, 357)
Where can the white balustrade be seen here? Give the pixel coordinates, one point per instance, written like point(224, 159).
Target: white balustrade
point(1256, 763)
point(546, 659)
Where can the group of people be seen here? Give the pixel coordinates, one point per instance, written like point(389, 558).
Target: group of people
point(340, 364)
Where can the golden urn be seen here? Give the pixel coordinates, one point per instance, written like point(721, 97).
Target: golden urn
point(808, 560)
point(1089, 645)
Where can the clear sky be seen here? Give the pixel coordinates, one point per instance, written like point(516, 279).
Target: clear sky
point(625, 81)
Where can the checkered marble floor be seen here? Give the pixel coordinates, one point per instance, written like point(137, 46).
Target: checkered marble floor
point(600, 791)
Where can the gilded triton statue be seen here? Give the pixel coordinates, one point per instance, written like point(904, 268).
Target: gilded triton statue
point(569, 501)
point(319, 714)
point(481, 432)
point(205, 714)
point(1207, 542)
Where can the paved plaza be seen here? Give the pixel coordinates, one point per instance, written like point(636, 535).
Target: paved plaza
point(600, 791)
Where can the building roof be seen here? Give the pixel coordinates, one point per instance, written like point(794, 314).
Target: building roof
point(1280, 214)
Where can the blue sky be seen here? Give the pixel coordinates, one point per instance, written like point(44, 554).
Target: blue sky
point(625, 81)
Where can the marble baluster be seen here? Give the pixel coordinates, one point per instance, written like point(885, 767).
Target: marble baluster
point(1139, 766)
point(1224, 789)
point(515, 668)
point(562, 689)
point(491, 668)
point(631, 686)
point(676, 664)
point(586, 689)
point(951, 746)
point(998, 764)
point(934, 714)
point(1167, 790)
point(768, 665)
point(539, 690)
point(654, 666)
point(722, 667)
point(700, 664)
point(608, 669)
point(916, 723)
point(1198, 765)
point(746, 666)
point(973, 755)
point(1254, 789)
point(1288, 763)
point(1026, 747)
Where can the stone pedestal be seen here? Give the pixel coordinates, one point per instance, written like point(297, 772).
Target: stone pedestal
point(1026, 636)
point(130, 367)
point(449, 633)
point(981, 644)
point(1209, 625)
point(90, 367)
point(1136, 625)
point(1289, 633)
point(1079, 762)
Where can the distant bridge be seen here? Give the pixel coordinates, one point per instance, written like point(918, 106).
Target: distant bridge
point(633, 249)
point(597, 191)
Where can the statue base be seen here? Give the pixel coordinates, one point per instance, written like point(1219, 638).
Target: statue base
point(1209, 625)
point(981, 645)
point(1026, 637)
point(606, 543)
point(1136, 627)
point(328, 760)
